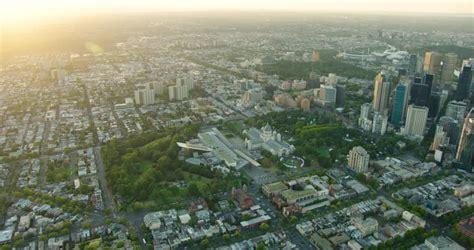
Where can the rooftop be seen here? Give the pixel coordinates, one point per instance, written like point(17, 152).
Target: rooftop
point(274, 187)
point(293, 194)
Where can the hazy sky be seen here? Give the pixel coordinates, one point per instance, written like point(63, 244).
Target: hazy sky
point(27, 9)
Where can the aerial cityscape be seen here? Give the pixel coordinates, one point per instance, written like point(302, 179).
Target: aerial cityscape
point(235, 128)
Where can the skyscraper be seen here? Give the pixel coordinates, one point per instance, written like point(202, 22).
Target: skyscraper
point(420, 90)
point(381, 93)
point(400, 102)
point(456, 110)
point(432, 63)
point(447, 69)
point(412, 64)
point(434, 104)
point(451, 127)
point(340, 95)
point(440, 139)
point(416, 121)
point(463, 90)
point(379, 123)
point(364, 122)
point(465, 151)
point(327, 96)
point(358, 159)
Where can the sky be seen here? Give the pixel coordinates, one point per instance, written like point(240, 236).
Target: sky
point(23, 10)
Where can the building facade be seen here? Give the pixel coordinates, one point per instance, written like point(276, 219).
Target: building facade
point(358, 160)
point(416, 121)
point(400, 103)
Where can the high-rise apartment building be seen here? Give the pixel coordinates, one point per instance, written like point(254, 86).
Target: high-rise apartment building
point(364, 122)
point(158, 87)
point(379, 123)
point(358, 160)
point(188, 81)
point(144, 95)
point(178, 92)
point(327, 96)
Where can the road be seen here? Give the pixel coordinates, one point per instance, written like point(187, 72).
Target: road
point(106, 192)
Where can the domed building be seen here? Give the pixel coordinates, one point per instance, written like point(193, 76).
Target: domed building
point(268, 139)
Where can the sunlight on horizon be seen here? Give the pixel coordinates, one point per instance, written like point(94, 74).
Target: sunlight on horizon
point(24, 10)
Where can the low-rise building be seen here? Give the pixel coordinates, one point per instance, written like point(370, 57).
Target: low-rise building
point(271, 189)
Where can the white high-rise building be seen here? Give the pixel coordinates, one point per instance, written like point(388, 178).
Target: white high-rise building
point(358, 159)
point(416, 121)
point(159, 87)
point(326, 95)
point(188, 81)
point(364, 122)
point(379, 124)
point(144, 95)
point(178, 92)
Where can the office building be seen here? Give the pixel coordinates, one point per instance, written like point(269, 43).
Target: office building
point(432, 66)
point(400, 103)
point(440, 139)
point(379, 123)
point(465, 151)
point(416, 121)
point(451, 127)
point(381, 93)
point(456, 110)
point(327, 96)
point(340, 95)
point(358, 160)
point(420, 90)
point(463, 90)
point(434, 103)
point(412, 64)
point(144, 95)
point(443, 98)
point(448, 66)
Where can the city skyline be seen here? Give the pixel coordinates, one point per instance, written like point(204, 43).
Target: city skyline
point(236, 124)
